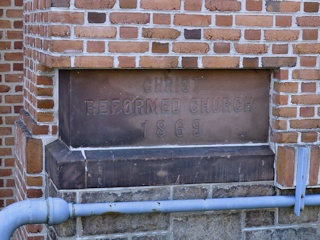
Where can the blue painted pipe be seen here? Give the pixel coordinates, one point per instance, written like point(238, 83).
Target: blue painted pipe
point(55, 210)
point(33, 211)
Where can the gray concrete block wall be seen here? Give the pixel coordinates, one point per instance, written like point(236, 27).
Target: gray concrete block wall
point(245, 225)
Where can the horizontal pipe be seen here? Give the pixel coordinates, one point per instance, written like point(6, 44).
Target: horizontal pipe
point(192, 205)
point(55, 210)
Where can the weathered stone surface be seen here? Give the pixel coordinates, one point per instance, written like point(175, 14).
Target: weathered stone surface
point(151, 237)
point(163, 107)
point(117, 223)
point(125, 195)
point(67, 229)
point(207, 226)
point(280, 234)
point(258, 218)
point(308, 215)
point(190, 192)
point(252, 190)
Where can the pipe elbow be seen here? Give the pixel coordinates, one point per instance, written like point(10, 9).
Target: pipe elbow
point(32, 211)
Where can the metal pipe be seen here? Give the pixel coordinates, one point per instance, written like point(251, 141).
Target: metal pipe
point(192, 205)
point(32, 211)
point(56, 211)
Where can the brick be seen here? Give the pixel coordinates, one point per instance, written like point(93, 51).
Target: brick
point(305, 99)
point(251, 48)
point(33, 155)
point(280, 48)
point(128, 32)
point(280, 99)
point(160, 33)
point(158, 62)
point(253, 5)
point(4, 193)
point(160, 47)
point(66, 17)
point(14, 13)
point(250, 62)
point(254, 20)
point(4, 67)
point(281, 35)
point(192, 5)
point(279, 124)
point(192, 34)
point(160, 5)
point(4, 88)
point(279, 61)
point(189, 62)
point(128, 3)
point(308, 87)
point(221, 47)
point(285, 137)
point(282, 6)
point(13, 56)
point(5, 131)
point(190, 47)
point(5, 24)
point(34, 228)
point(128, 47)
point(285, 166)
point(5, 172)
point(285, 112)
point(60, 3)
point(44, 117)
point(310, 34)
point(281, 74)
point(59, 31)
point(224, 20)
point(45, 104)
point(220, 62)
point(222, 34)
point(309, 137)
point(306, 74)
point(308, 61)
point(251, 34)
point(126, 62)
point(223, 5)
point(192, 20)
point(97, 4)
point(66, 46)
point(58, 62)
point(95, 32)
point(305, 123)
point(13, 99)
point(5, 45)
point(311, 6)
point(308, 21)
point(18, 24)
point(5, 109)
point(93, 61)
point(289, 87)
point(5, 3)
point(34, 193)
point(14, 34)
point(5, 152)
point(95, 17)
point(314, 165)
point(96, 46)
point(129, 18)
point(159, 18)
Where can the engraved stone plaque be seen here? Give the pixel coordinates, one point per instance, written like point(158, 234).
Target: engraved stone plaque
point(124, 108)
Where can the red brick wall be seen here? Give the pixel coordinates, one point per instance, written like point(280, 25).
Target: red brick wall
point(11, 96)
